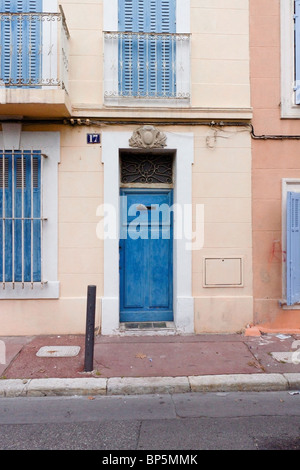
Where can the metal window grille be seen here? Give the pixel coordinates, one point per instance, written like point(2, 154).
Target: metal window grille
point(146, 169)
point(21, 217)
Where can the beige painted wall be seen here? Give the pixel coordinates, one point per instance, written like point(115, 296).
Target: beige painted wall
point(219, 53)
point(222, 183)
point(80, 252)
point(221, 170)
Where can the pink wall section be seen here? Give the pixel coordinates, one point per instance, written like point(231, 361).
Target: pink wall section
point(273, 160)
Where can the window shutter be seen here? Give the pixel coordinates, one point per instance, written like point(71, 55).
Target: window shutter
point(20, 217)
point(6, 213)
point(7, 44)
point(21, 54)
point(297, 51)
point(166, 23)
point(147, 62)
point(28, 201)
point(293, 248)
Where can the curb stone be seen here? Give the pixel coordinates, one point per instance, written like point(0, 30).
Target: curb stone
point(293, 380)
point(148, 385)
point(66, 387)
point(239, 383)
point(13, 387)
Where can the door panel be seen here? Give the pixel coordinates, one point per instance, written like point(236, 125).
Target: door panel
point(146, 254)
point(159, 274)
point(133, 282)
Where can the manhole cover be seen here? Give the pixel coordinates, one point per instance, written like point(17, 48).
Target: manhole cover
point(58, 351)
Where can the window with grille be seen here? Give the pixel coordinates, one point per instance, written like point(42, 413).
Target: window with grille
point(21, 46)
point(21, 219)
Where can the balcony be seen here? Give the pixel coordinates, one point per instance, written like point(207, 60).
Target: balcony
point(34, 65)
point(146, 69)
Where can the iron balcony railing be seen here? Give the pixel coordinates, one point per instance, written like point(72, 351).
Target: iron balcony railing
point(147, 65)
point(34, 50)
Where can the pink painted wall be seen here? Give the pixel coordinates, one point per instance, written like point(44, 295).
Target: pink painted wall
point(272, 161)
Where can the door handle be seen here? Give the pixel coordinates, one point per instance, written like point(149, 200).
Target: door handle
point(142, 207)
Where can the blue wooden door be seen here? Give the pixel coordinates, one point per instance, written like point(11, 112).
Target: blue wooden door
point(146, 254)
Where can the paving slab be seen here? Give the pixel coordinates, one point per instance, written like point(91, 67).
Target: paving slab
point(10, 347)
point(28, 365)
point(153, 358)
point(277, 353)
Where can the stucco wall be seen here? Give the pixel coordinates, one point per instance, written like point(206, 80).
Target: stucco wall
point(221, 171)
point(219, 52)
point(222, 183)
point(273, 160)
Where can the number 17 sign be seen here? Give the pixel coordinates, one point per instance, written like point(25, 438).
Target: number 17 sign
point(93, 138)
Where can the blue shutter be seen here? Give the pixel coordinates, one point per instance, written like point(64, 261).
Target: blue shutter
point(293, 248)
point(6, 211)
point(166, 49)
point(21, 35)
point(297, 51)
point(147, 62)
point(6, 42)
point(20, 216)
point(31, 236)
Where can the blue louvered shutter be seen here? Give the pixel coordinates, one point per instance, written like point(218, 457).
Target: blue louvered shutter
point(147, 63)
point(297, 51)
point(6, 42)
point(293, 248)
point(20, 216)
point(21, 38)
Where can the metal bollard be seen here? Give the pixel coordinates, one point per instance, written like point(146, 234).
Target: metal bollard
point(90, 329)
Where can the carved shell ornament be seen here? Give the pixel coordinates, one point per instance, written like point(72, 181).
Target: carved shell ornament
point(148, 137)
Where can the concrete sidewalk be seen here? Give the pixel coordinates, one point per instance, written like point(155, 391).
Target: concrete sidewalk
point(141, 364)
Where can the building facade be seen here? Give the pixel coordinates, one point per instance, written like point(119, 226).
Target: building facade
point(125, 163)
point(274, 52)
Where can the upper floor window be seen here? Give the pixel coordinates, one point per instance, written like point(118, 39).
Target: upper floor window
point(33, 44)
point(21, 41)
point(297, 51)
point(146, 56)
point(290, 58)
point(147, 48)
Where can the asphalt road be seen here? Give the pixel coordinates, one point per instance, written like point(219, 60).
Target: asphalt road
point(154, 424)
